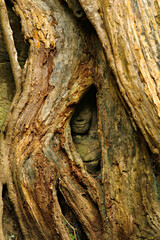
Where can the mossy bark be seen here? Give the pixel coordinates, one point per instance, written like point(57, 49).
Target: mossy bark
point(42, 175)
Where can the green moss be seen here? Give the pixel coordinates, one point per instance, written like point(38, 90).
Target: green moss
point(72, 236)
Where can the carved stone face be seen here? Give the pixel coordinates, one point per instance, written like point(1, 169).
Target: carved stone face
point(84, 133)
point(81, 120)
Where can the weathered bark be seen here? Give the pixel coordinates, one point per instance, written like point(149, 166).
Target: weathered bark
point(53, 194)
point(130, 36)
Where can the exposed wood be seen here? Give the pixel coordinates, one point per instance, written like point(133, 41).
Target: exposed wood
point(8, 37)
point(48, 184)
point(130, 37)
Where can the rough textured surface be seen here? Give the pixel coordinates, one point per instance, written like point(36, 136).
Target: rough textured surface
point(53, 194)
point(130, 37)
point(6, 81)
point(6, 90)
point(84, 126)
point(7, 86)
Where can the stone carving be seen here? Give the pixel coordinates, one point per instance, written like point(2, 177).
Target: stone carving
point(84, 132)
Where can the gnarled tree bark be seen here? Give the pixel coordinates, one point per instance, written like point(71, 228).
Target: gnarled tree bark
point(53, 193)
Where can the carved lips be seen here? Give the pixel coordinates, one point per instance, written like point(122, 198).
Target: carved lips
point(81, 120)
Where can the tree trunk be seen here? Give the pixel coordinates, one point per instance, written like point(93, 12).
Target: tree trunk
point(80, 144)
